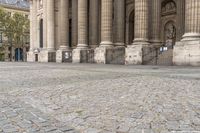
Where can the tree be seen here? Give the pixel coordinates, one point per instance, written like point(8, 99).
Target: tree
point(14, 27)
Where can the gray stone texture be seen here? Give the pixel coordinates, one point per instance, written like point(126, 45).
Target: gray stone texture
point(98, 98)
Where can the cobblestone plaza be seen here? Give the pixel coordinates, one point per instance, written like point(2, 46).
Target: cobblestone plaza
point(89, 98)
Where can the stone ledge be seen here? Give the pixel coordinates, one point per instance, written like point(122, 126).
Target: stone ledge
point(139, 54)
point(83, 56)
point(114, 55)
point(63, 56)
point(47, 56)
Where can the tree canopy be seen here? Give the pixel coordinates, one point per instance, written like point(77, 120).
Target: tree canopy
point(15, 27)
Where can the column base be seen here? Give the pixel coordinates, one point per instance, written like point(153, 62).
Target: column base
point(109, 55)
point(31, 56)
point(156, 43)
point(63, 56)
point(83, 56)
point(47, 56)
point(140, 55)
point(187, 53)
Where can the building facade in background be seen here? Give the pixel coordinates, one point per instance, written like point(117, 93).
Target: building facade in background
point(158, 32)
point(18, 52)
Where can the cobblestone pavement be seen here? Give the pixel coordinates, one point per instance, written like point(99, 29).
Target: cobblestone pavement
point(99, 98)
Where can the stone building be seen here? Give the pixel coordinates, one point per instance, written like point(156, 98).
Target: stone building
point(18, 52)
point(158, 32)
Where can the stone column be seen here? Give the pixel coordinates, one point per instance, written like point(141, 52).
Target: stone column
point(107, 53)
point(33, 30)
point(34, 23)
point(139, 51)
point(50, 26)
point(156, 20)
point(63, 53)
point(74, 23)
point(31, 25)
point(119, 12)
point(48, 54)
point(82, 46)
point(106, 23)
point(82, 24)
point(181, 19)
point(192, 20)
point(141, 22)
point(94, 23)
point(64, 24)
point(44, 24)
point(187, 51)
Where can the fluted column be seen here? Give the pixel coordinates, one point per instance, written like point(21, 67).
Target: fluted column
point(44, 24)
point(74, 23)
point(106, 23)
point(180, 28)
point(141, 21)
point(31, 25)
point(50, 25)
point(64, 24)
point(119, 11)
point(94, 23)
point(192, 20)
point(156, 19)
point(82, 24)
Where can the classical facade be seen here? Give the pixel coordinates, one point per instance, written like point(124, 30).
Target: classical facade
point(9, 51)
point(158, 32)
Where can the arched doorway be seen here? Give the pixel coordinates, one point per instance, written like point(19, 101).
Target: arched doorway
point(18, 54)
point(131, 27)
point(168, 32)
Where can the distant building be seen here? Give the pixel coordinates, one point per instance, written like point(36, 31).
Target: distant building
point(115, 31)
point(18, 53)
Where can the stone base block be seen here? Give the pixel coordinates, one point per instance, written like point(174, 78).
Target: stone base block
point(32, 57)
point(187, 53)
point(87, 56)
point(105, 55)
point(140, 54)
point(47, 56)
point(83, 56)
point(63, 56)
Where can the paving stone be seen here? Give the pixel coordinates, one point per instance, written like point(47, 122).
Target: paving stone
point(10, 128)
point(100, 97)
point(92, 130)
point(50, 129)
point(66, 129)
point(4, 122)
point(10, 114)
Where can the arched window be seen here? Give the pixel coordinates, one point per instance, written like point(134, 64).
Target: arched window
point(168, 7)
